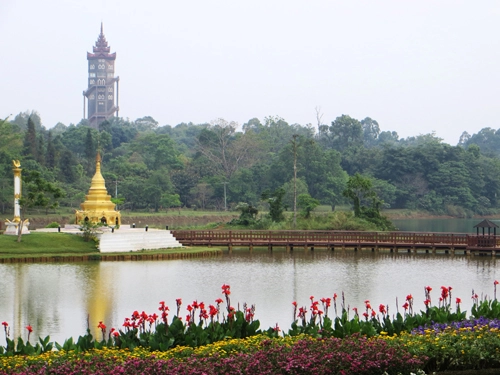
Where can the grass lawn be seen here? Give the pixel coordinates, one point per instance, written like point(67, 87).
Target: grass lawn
point(36, 245)
point(45, 244)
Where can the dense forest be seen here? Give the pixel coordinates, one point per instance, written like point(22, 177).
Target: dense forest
point(222, 164)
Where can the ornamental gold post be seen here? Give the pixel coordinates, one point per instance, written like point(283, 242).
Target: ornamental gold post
point(12, 227)
point(17, 190)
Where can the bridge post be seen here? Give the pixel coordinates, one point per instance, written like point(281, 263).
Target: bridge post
point(452, 250)
point(230, 248)
point(433, 249)
point(312, 248)
point(414, 249)
point(343, 247)
point(305, 248)
point(251, 247)
point(270, 247)
point(287, 248)
point(493, 253)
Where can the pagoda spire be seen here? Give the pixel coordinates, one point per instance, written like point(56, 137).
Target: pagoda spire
point(101, 45)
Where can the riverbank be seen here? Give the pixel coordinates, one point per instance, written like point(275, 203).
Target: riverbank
point(63, 247)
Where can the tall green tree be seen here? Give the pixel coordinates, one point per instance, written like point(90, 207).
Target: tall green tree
point(30, 141)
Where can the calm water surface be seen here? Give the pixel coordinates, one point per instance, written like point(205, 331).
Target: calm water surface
point(57, 298)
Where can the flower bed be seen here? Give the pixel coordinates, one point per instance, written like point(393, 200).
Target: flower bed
point(215, 339)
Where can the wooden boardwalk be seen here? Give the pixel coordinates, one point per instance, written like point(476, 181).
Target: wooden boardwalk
point(392, 241)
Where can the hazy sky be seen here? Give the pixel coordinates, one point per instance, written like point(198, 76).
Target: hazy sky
point(414, 66)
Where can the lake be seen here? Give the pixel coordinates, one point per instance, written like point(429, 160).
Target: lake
point(56, 299)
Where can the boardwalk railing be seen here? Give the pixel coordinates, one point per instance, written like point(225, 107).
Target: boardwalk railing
point(334, 238)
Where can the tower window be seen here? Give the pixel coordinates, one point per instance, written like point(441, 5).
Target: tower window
point(110, 66)
point(101, 66)
point(91, 96)
point(110, 97)
point(91, 74)
point(92, 66)
point(110, 89)
point(92, 81)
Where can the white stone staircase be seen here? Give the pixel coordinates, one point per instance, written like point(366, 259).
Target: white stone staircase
point(125, 240)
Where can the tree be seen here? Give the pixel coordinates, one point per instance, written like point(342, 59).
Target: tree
point(50, 159)
point(30, 141)
point(371, 131)
point(227, 150)
point(366, 201)
point(38, 192)
point(275, 200)
point(359, 190)
point(307, 204)
point(90, 152)
point(248, 214)
point(170, 200)
point(344, 132)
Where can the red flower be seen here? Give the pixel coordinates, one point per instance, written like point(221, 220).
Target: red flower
point(405, 306)
point(409, 297)
point(116, 333)
point(373, 313)
point(381, 308)
point(5, 324)
point(219, 301)
point(294, 303)
point(428, 288)
point(495, 282)
point(334, 296)
point(178, 301)
point(100, 326)
point(365, 314)
point(426, 302)
point(225, 289)
point(459, 300)
point(29, 328)
point(311, 298)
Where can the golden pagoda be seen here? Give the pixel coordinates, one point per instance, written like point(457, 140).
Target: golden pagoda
point(98, 207)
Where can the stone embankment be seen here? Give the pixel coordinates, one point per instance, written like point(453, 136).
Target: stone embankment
point(116, 257)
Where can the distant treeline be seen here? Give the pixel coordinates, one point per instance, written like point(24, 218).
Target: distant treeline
point(208, 165)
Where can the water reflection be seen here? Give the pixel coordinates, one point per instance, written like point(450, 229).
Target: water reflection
point(57, 298)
